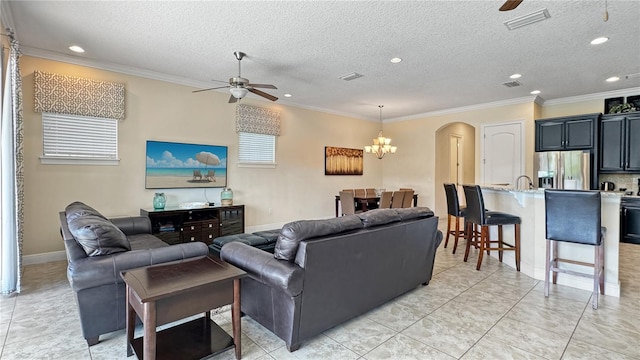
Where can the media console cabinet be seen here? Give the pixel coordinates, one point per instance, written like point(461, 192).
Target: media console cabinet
point(177, 225)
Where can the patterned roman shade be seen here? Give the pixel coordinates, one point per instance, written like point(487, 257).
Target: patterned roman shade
point(257, 120)
point(63, 94)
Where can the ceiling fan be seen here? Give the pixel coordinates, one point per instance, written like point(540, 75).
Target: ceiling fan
point(510, 5)
point(239, 86)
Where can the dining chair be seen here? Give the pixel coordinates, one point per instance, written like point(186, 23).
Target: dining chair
point(349, 190)
point(397, 199)
point(476, 214)
point(347, 203)
point(360, 192)
point(405, 189)
point(385, 199)
point(370, 192)
point(407, 200)
point(574, 216)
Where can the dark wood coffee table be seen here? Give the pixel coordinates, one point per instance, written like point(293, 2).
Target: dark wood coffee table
point(165, 293)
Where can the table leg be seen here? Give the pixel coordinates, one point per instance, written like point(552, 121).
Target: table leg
point(131, 321)
point(235, 318)
point(337, 201)
point(149, 323)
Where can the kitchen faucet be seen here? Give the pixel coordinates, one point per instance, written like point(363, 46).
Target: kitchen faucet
point(528, 179)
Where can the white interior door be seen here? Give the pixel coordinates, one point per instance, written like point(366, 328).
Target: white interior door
point(502, 153)
point(455, 160)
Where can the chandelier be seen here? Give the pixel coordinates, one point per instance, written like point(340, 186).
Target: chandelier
point(381, 145)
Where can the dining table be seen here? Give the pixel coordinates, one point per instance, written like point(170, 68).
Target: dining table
point(368, 202)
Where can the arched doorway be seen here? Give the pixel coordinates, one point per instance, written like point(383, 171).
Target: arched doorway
point(455, 160)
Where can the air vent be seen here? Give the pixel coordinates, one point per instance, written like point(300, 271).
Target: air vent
point(528, 19)
point(352, 76)
point(511, 84)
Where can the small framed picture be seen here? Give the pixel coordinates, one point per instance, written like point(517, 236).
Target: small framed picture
point(611, 102)
point(635, 101)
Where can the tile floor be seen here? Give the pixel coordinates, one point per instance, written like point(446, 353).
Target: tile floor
point(495, 313)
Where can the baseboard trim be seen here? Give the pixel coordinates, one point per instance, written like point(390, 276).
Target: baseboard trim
point(44, 258)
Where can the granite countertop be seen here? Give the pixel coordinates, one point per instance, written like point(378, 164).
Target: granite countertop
point(541, 191)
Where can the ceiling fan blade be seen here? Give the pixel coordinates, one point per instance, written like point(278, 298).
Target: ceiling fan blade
point(264, 86)
point(510, 5)
point(263, 94)
point(232, 99)
point(220, 87)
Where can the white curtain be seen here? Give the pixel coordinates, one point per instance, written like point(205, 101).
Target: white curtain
point(11, 174)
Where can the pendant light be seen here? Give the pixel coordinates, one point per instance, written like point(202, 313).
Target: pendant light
point(381, 145)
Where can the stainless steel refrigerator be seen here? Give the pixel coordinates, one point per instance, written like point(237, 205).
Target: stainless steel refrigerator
point(563, 169)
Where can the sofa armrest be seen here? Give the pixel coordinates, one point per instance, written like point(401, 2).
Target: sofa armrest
point(263, 267)
point(96, 271)
point(132, 225)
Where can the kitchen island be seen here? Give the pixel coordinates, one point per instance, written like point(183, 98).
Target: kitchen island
point(530, 206)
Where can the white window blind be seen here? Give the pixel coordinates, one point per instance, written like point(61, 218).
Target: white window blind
point(79, 139)
point(256, 149)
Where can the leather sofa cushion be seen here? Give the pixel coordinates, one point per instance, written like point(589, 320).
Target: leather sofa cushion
point(98, 236)
point(414, 213)
point(249, 239)
point(292, 233)
point(379, 217)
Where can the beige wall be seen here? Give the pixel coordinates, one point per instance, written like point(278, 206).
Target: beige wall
point(296, 189)
point(467, 135)
point(415, 162)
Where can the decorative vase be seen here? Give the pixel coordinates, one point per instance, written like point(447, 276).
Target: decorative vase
point(159, 201)
point(226, 197)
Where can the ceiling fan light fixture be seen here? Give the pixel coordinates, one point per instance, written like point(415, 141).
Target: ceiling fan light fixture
point(527, 19)
point(238, 92)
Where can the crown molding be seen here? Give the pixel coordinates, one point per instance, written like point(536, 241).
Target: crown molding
point(493, 104)
point(595, 96)
point(77, 60)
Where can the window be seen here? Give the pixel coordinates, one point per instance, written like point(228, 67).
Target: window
point(73, 139)
point(256, 150)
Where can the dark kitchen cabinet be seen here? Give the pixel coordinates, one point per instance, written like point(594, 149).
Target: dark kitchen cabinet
point(567, 133)
point(630, 220)
point(620, 143)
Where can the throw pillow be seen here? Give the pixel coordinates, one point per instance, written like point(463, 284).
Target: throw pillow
point(292, 233)
point(78, 209)
point(98, 236)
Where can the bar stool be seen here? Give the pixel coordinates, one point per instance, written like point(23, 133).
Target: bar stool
point(574, 216)
point(454, 212)
point(477, 215)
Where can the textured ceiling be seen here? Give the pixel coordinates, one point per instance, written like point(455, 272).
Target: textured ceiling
point(455, 53)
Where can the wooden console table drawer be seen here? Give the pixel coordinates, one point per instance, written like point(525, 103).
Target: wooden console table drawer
point(174, 225)
point(191, 231)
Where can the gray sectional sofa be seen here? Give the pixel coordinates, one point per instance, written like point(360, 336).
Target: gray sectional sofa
point(325, 272)
point(98, 249)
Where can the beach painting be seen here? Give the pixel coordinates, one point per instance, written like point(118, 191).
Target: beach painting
point(177, 165)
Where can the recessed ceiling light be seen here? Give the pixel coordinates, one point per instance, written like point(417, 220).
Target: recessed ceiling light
point(76, 48)
point(535, 92)
point(396, 60)
point(613, 79)
point(600, 40)
point(287, 95)
point(515, 76)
